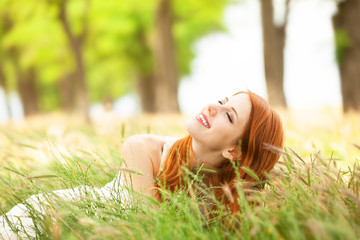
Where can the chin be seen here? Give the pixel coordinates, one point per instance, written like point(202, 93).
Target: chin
point(189, 125)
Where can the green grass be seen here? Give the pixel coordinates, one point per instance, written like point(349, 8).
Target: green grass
point(311, 194)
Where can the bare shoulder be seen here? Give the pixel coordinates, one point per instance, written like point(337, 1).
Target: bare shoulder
point(142, 153)
point(149, 141)
point(140, 147)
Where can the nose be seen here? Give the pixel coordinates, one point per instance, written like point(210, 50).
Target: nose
point(213, 109)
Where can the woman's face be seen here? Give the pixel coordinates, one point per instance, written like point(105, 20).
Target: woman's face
point(219, 126)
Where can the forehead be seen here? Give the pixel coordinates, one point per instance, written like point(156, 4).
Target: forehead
point(241, 100)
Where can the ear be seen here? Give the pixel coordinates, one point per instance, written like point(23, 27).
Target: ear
point(231, 153)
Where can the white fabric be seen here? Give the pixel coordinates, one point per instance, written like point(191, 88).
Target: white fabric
point(169, 141)
point(19, 215)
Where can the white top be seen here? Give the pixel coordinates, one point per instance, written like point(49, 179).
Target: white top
point(116, 189)
point(169, 141)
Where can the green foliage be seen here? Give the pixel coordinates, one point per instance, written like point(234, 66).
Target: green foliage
point(117, 41)
point(194, 19)
point(342, 42)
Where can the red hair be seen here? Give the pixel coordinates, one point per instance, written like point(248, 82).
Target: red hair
point(263, 127)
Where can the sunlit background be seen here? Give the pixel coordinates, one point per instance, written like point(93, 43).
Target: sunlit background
point(79, 77)
point(229, 61)
point(120, 40)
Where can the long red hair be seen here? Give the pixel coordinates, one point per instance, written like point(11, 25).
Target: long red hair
point(263, 127)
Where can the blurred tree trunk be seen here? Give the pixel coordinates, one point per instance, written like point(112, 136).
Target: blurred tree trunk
point(26, 84)
point(76, 43)
point(347, 31)
point(166, 79)
point(145, 84)
point(28, 91)
point(274, 43)
point(67, 91)
point(146, 89)
point(2, 77)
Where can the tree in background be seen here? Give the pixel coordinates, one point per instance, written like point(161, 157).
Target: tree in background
point(179, 23)
point(30, 47)
point(61, 52)
point(166, 73)
point(346, 24)
point(27, 88)
point(76, 45)
point(165, 32)
point(274, 38)
point(127, 45)
point(25, 76)
point(47, 54)
point(158, 42)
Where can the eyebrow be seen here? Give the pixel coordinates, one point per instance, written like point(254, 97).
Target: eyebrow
point(227, 100)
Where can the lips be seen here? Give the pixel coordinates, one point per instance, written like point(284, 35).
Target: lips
point(203, 120)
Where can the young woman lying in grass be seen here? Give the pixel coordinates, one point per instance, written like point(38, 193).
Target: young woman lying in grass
point(232, 134)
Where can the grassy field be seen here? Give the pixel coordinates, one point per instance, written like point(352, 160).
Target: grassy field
point(312, 194)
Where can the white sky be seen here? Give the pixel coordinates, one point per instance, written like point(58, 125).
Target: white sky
point(233, 61)
point(228, 62)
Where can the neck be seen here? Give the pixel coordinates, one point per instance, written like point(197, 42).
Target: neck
point(205, 157)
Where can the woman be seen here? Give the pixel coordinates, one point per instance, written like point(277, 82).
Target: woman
point(213, 142)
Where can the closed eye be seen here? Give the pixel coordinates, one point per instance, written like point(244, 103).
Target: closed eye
point(228, 115)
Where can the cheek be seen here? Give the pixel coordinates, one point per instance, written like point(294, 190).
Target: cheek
point(225, 135)
point(219, 138)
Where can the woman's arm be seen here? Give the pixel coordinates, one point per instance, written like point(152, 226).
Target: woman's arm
point(142, 154)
